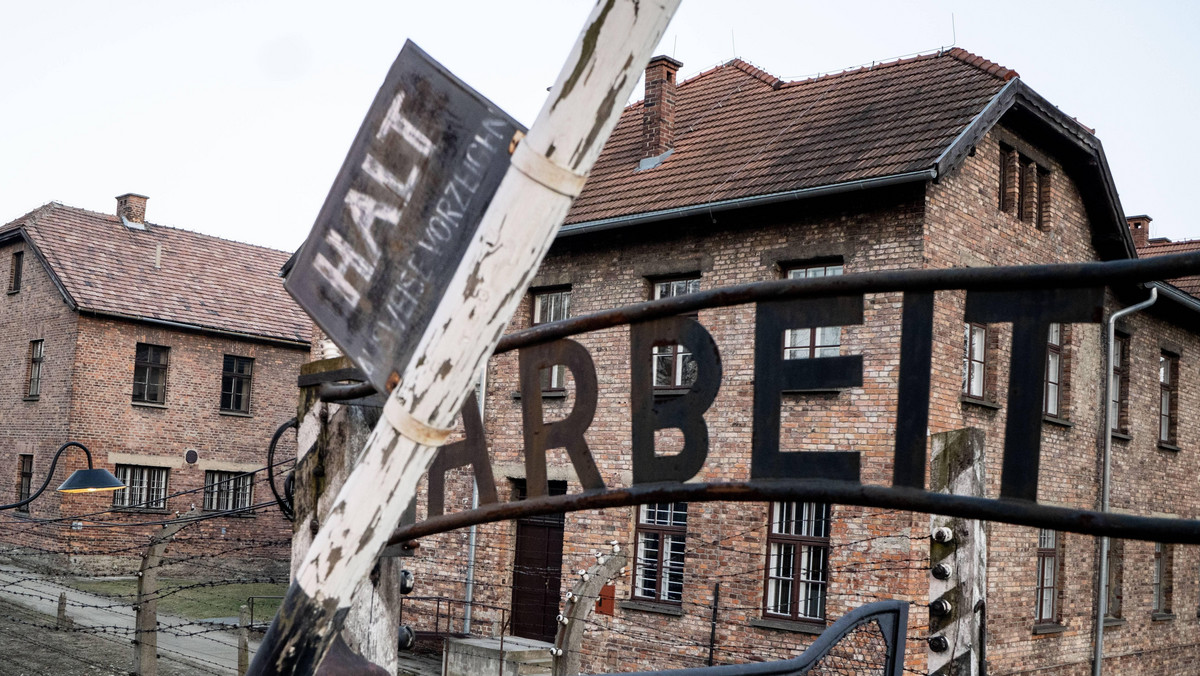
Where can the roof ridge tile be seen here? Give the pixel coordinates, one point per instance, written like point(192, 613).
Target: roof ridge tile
point(989, 67)
point(756, 72)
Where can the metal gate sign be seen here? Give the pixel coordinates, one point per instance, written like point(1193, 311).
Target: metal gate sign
point(407, 201)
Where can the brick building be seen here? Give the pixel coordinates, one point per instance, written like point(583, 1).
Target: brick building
point(171, 355)
point(733, 176)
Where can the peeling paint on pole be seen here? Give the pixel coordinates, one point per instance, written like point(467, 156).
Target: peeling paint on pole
point(513, 237)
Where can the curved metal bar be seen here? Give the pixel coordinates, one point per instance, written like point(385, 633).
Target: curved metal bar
point(1063, 275)
point(50, 475)
point(1019, 512)
point(892, 617)
point(285, 506)
point(336, 392)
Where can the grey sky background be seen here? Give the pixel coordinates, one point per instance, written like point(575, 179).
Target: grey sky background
point(234, 117)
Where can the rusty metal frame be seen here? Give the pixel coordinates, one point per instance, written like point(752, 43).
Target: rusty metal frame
point(906, 493)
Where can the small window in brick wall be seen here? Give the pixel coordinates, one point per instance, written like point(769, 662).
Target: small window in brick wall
point(227, 490)
point(1116, 574)
point(1025, 188)
point(24, 479)
point(1054, 394)
point(661, 539)
point(1168, 385)
point(674, 366)
point(975, 361)
point(146, 487)
point(36, 356)
point(235, 384)
point(1161, 582)
point(150, 374)
point(797, 561)
point(16, 271)
point(1048, 585)
point(1119, 385)
point(822, 341)
point(552, 306)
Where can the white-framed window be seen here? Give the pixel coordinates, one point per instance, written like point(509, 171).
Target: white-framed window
point(1118, 394)
point(661, 543)
point(1046, 601)
point(797, 560)
point(1168, 387)
point(227, 490)
point(674, 365)
point(552, 306)
point(974, 383)
point(145, 487)
point(1052, 395)
point(821, 341)
point(37, 354)
point(1161, 581)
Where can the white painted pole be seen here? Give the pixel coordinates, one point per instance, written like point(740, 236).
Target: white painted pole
point(548, 170)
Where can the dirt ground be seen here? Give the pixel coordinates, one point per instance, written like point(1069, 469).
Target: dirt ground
point(29, 646)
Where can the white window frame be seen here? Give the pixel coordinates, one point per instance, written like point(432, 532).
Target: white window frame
point(675, 356)
point(224, 491)
point(817, 342)
point(146, 487)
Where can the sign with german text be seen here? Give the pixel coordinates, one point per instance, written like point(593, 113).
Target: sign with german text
point(405, 205)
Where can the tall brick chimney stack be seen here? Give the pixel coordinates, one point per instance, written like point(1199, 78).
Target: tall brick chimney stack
point(1139, 227)
point(658, 114)
point(132, 207)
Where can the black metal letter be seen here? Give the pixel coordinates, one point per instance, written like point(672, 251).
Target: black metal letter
point(683, 412)
point(1031, 313)
point(774, 375)
point(566, 433)
point(912, 397)
point(470, 450)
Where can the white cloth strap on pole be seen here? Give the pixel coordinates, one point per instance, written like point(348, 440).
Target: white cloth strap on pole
point(409, 427)
point(542, 171)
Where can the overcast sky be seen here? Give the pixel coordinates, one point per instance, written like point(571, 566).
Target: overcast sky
point(234, 117)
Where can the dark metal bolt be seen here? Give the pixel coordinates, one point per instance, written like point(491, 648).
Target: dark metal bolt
point(940, 607)
point(407, 582)
point(407, 638)
point(942, 571)
point(939, 644)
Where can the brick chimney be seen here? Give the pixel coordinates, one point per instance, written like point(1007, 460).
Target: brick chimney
point(1139, 227)
point(658, 114)
point(131, 208)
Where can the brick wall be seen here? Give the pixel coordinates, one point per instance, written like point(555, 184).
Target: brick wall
point(726, 541)
point(121, 431)
point(959, 221)
point(86, 397)
point(33, 426)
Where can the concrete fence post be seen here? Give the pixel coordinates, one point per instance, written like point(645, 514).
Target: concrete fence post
point(243, 639)
point(145, 641)
point(64, 622)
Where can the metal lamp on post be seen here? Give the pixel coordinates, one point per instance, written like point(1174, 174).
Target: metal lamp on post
point(87, 480)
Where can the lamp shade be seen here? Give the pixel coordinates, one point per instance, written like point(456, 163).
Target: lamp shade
point(89, 480)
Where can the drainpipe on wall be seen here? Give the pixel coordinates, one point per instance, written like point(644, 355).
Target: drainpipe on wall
point(481, 394)
point(1106, 433)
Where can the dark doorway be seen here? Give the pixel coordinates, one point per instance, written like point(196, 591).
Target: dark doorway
point(537, 571)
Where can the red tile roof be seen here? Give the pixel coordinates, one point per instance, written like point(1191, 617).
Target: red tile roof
point(202, 281)
point(741, 132)
point(1160, 247)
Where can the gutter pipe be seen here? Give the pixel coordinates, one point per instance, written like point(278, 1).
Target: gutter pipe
point(197, 327)
point(1102, 586)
